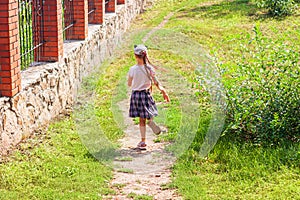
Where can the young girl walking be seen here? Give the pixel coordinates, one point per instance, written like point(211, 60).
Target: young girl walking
point(140, 78)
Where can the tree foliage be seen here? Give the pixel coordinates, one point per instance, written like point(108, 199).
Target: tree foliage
point(263, 88)
point(277, 7)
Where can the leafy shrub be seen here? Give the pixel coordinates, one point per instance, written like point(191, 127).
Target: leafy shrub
point(277, 7)
point(263, 88)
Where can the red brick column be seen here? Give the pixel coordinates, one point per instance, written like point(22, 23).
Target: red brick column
point(80, 28)
point(98, 15)
point(121, 2)
point(10, 77)
point(111, 6)
point(53, 33)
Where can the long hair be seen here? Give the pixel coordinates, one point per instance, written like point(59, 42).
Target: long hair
point(146, 60)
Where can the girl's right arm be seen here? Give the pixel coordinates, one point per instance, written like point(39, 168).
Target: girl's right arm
point(130, 77)
point(129, 81)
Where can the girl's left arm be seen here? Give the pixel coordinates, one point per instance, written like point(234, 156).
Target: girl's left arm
point(158, 85)
point(161, 88)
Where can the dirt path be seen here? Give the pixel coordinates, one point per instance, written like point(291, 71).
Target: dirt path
point(141, 172)
point(144, 172)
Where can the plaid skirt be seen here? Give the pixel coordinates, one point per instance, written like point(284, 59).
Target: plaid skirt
point(142, 105)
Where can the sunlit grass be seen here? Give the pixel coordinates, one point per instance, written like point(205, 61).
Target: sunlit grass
point(60, 167)
point(238, 172)
point(232, 170)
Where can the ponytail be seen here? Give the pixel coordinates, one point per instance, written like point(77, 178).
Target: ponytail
point(146, 60)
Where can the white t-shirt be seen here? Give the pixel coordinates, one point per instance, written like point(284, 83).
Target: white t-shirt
point(140, 79)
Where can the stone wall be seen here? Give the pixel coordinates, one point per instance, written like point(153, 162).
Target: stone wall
point(50, 89)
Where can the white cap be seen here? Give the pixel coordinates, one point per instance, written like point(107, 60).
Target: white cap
point(139, 49)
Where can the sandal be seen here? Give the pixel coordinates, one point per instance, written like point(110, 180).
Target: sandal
point(141, 144)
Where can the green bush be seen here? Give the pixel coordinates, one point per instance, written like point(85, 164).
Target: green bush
point(263, 88)
point(277, 7)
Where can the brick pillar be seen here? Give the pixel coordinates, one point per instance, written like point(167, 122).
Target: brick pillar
point(111, 6)
point(10, 77)
point(52, 50)
point(121, 2)
point(98, 15)
point(80, 28)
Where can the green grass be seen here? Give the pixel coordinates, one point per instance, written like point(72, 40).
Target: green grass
point(125, 170)
point(235, 172)
point(60, 167)
point(139, 197)
point(125, 159)
point(231, 170)
point(57, 165)
point(119, 185)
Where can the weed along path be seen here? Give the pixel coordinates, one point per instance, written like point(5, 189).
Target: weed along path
point(142, 174)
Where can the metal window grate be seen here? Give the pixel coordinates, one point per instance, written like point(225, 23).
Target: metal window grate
point(68, 18)
point(92, 9)
point(31, 26)
point(106, 5)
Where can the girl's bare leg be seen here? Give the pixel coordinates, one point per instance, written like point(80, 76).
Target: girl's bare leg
point(143, 129)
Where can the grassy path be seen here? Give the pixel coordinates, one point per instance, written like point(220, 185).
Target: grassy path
point(141, 173)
